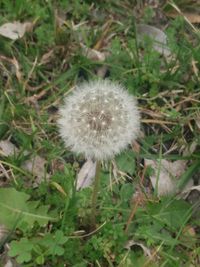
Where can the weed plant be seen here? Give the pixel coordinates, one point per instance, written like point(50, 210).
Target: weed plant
point(47, 219)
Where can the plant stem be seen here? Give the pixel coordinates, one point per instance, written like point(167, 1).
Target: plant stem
point(95, 194)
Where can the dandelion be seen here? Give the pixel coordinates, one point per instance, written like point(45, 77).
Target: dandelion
point(99, 119)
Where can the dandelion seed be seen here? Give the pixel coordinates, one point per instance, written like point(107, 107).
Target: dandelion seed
point(88, 127)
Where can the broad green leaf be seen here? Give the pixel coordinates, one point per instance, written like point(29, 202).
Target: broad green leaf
point(126, 162)
point(40, 259)
point(154, 234)
point(126, 192)
point(15, 208)
point(54, 242)
point(172, 213)
point(22, 249)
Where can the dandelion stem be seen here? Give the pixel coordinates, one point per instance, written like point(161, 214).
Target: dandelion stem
point(95, 194)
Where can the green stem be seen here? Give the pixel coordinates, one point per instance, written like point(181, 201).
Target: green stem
point(95, 194)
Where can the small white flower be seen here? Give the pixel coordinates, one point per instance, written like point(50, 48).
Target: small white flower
point(99, 119)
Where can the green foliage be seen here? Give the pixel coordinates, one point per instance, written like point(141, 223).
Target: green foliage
point(125, 162)
point(15, 209)
point(50, 245)
point(160, 220)
point(53, 244)
point(22, 249)
point(49, 224)
point(138, 259)
point(40, 33)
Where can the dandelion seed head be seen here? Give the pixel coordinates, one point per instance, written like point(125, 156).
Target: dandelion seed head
point(99, 119)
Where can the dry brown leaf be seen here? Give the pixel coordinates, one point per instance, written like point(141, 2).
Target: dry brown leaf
point(146, 250)
point(60, 17)
point(158, 37)
point(195, 68)
point(46, 57)
point(178, 11)
point(86, 174)
point(17, 69)
point(187, 191)
point(4, 175)
point(197, 120)
point(188, 235)
point(93, 54)
point(7, 148)
point(15, 30)
point(189, 149)
point(16, 65)
point(101, 71)
point(8, 264)
point(36, 166)
point(168, 174)
point(192, 17)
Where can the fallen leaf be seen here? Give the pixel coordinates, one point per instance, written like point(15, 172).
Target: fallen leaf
point(4, 175)
point(187, 191)
point(47, 57)
point(197, 120)
point(189, 149)
point(93, 54)
point(188, 236)
point(16, 70)
point(60, 17)
point(101, 71)
point(158, 37)
point(131, 243)
point(192, 17)
point(9, 264)
point(15, 30)
point(178, 11)
point(166, 175)
point(7, 148)
point(189, 230)
point(86, 174)
point(36, 166)
point(195, 67)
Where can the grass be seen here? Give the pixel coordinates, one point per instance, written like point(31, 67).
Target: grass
point(43, 66)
